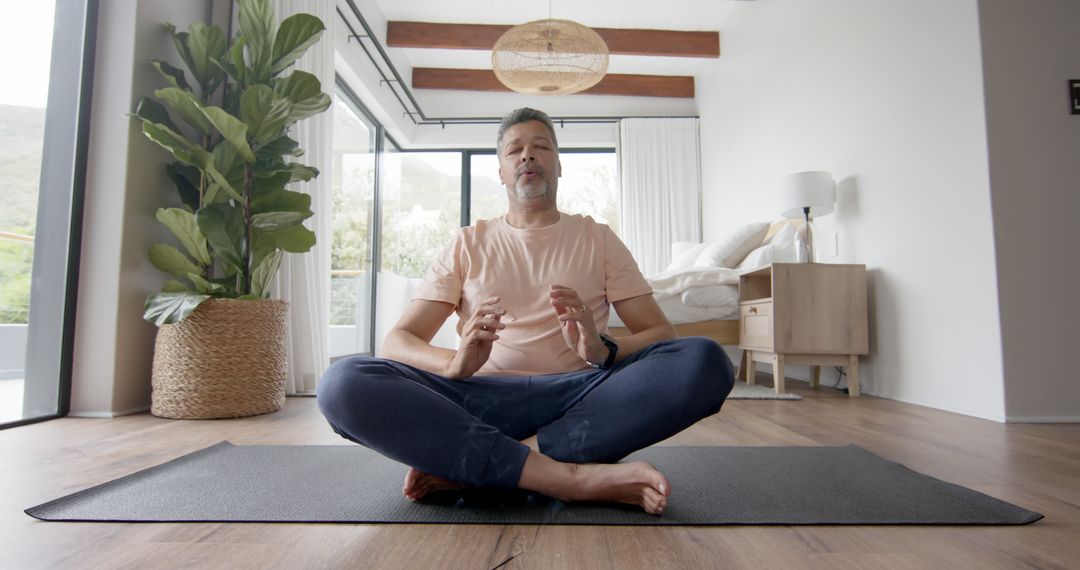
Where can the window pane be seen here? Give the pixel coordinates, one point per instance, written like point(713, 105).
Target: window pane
point(487, 196)
point(421, 209)
point(351, 229)
point(587, 186)
point(25, 50)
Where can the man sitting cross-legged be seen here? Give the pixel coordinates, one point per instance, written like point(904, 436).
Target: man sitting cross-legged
point(537, 396)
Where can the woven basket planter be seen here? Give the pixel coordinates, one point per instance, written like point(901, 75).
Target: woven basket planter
point(227, 359)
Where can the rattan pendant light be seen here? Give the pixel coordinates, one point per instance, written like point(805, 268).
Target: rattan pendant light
point(550, 57)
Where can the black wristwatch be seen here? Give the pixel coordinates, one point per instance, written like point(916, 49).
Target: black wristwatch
point(613, 349)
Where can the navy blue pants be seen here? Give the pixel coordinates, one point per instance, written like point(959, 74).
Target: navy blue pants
point(470, 430)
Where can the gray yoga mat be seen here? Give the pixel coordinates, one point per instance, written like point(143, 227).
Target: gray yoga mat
point(711, 486)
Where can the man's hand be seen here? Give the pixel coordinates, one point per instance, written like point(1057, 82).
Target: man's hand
point(477, 337)
point(578, 326)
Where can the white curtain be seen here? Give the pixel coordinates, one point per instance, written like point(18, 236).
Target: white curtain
point(660, 187)
point(304, 279)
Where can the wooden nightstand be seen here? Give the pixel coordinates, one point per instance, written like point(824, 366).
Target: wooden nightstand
point(804, 313)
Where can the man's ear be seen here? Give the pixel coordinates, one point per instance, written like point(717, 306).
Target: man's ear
point(558, 167)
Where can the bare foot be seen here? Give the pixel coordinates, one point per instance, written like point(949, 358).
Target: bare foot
point(636, 483)
point(418, 484)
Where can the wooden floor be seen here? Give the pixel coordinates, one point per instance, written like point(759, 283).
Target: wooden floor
point(1035, 466)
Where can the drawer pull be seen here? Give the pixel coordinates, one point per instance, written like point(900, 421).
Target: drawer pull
point(753, 310)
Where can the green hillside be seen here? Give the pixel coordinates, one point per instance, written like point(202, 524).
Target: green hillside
point(21, 133)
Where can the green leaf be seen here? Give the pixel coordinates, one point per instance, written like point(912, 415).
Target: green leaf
point(181, 148)
point(168, 308)
point(223, 226)
point(173, 75)
point(173, 286)
point(283, 201)
point(296, 34)
point(271, 221)
point(186, 180)
point(146, 109)
point(257, 25)
point(184, 103)
point(232, 129)
point(263, 245)
point(263, 185)
point(186, 152)
point(169, 259)
point(220, 182)
point(204, 286)
point(264, 113)
point(206, 44)
point(282, 145)
point(237, 69)
point(182, 225)
point(231, 168)
point(304, 91)
point(226, 283)
point(294, 239)
point(180, 40)
point(300, 173)
point(264, 274)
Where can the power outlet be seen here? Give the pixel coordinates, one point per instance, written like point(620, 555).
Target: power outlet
point(1074, 96)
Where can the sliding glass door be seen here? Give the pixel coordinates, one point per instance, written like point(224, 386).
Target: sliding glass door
point(352, 230)
point(420, 212)
point(46, 52)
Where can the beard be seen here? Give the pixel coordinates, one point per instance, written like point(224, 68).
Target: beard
point(530, 190)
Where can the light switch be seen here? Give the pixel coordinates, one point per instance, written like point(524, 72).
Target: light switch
point(1074, 95)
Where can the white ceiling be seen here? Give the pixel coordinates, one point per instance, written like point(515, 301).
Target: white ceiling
point(687, 15)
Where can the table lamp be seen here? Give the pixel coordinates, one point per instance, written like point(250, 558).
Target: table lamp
point(805, 195)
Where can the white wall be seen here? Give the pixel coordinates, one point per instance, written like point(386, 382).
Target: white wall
point(125, 183)
point(1029, 51)
point(888, 97)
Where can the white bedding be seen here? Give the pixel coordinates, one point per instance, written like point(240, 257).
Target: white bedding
point(694, 295)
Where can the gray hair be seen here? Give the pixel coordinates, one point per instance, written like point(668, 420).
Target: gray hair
point(524, 115)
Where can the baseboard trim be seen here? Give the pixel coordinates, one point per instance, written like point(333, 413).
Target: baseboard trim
point(117, 413)
point(1042, 419)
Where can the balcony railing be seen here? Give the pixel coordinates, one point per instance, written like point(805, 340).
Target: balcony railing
point(8, 313)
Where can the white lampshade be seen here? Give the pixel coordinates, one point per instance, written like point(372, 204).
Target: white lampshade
point(814, 190)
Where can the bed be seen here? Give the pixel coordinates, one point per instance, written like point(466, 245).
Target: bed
point(699, 291)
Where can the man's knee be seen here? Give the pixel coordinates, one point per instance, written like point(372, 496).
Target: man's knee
point(342, 392)
point(710, 374)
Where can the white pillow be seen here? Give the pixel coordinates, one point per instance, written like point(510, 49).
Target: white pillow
point(779, 250)
point(760, 257)
point(732, 248)
point(685, 259)
point(783, 244)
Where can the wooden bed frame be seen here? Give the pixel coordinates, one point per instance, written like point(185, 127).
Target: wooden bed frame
point(723, 332)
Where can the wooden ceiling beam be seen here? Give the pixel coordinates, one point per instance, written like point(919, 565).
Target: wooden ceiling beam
point(611, 84)
point(673, 43)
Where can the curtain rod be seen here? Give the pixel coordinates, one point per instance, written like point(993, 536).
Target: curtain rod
point(424, 120)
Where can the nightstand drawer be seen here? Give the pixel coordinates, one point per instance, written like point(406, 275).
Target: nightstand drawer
point(755, 325)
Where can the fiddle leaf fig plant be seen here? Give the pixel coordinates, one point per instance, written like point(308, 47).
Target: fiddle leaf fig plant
point(226, 123)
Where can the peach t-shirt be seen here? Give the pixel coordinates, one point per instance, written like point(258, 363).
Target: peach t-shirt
point(494, 258)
